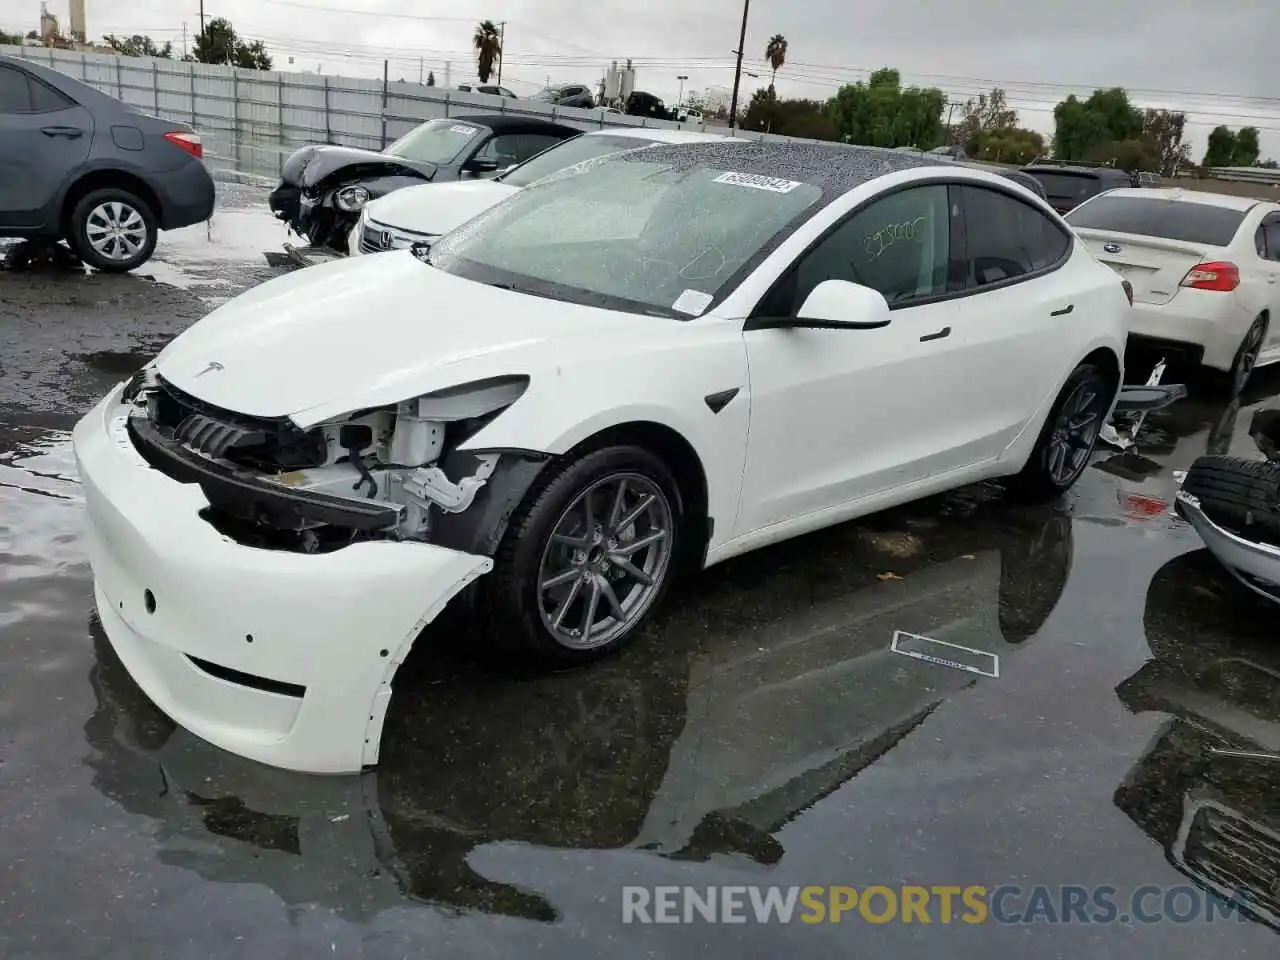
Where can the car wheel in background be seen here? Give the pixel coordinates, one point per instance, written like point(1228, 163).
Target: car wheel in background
point(1236, 379)
point(113, 230)
point(587, 556)
point(1069, 435)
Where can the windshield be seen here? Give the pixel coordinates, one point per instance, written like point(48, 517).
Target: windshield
point(1183, 220)
point(566, 154)
point(1068, 186)
point(629, 234)
point(438, 142)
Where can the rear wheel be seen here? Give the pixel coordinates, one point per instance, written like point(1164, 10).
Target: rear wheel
point(1233, 382)
point(1069, 435)
point(113, 230)
point(1242, 495)
point(587, 556)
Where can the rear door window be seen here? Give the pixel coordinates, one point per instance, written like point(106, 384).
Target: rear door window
point(1183, 220)
point(1006, 238)
point(45, 99)
point(15, 91)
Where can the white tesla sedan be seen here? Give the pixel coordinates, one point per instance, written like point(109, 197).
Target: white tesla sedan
point(671, 356)
point(1205, 270)
point(420, 214)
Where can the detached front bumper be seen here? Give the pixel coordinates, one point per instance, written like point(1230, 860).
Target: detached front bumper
point(281, 657)
point(1256, 565)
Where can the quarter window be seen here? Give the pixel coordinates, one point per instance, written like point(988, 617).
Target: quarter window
point(1006, 238)
point(1269, 247)
point(899, 245)
point(512, 148)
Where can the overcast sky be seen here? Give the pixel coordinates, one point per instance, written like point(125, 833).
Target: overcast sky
point(1217, 62)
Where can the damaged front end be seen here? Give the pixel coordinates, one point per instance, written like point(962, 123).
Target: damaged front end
point(322, 190)
point(389, 473)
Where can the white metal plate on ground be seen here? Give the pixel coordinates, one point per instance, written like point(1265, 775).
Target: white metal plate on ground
point(945, 654)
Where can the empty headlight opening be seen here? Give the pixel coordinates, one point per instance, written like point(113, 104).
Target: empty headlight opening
point(390, 473)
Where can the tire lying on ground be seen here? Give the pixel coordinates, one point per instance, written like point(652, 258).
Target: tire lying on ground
point(1241, 495)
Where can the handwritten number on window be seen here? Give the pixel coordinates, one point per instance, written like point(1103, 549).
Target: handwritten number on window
point(908, 231)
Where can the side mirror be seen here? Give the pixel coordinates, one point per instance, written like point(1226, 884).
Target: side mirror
point(839, 303)
point(481, 165)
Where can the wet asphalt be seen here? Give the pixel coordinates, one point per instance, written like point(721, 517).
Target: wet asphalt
point(761, 732)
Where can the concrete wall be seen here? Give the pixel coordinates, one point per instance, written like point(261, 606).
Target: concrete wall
point(252, 120)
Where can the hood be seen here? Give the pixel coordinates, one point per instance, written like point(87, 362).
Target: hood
point(372, 331)
point(308, 166)
point(436, 208)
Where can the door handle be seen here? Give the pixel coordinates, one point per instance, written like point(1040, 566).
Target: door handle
point(944, 332)
point(71, 133)
point(1064, 311)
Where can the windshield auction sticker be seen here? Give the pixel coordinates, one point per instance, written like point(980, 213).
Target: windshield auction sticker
point(463, 129)
point(757, 182)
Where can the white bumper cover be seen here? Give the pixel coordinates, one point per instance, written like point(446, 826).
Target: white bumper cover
point(281, 657)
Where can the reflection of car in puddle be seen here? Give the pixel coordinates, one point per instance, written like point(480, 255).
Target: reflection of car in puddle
point(768, 691)
point(1208, 789)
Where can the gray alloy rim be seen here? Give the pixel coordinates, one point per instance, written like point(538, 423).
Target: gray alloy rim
point(116, 231)
point(1250, 350)
point(605, 561)
point(1074, 433)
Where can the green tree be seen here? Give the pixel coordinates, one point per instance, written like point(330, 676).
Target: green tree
point(218, 43)
point(775, 52)
point(1081, 125)
point(1221, 149)
point(810, 119)
point(1007, 145)
point(1247, 148)
point(488, 47)
point(882, 113)
point(989, 112)
point(1163, 130)
point(1129, 155)
point(14, 39)
point(138, 46)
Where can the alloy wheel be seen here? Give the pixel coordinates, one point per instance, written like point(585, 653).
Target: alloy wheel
point(116, 231)
point(1074, 433)
point(605, 561)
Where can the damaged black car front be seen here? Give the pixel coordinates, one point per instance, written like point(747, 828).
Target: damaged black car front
point(324, 188)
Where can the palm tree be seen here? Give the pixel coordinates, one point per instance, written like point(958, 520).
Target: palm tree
point(488, 49)
point(776, 53)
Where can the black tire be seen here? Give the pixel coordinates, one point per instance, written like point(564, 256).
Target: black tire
point(1241, 495)
point(1037, 480)
point(511, 592)
point(88, 208)
point(1232, 383)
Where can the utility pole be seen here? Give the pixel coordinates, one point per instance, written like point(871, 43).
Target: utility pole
point(184, 39)
point(202, 17)
point(421, 65)
point(737, 72)
point(502, 48)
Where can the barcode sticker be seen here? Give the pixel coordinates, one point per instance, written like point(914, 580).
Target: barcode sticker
point(757, 182)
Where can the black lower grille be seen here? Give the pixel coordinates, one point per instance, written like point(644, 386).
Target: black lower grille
point(260, 443)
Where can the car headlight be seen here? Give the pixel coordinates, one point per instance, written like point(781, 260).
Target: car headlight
point(352, 199)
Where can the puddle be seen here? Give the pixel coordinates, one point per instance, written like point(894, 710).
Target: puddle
point(40, 515)
point(122, 363)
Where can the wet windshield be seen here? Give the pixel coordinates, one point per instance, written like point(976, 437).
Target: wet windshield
point(438, 142)
point(628, 234)
point(569, 153)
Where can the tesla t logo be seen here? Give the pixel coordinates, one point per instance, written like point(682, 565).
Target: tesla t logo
point(1111, 247)
point(213, 365)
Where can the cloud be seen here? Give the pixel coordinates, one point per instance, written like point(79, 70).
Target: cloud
point(1215, 64)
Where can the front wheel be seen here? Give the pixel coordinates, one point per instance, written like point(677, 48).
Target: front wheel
point(1069, 435)
point(587, 556)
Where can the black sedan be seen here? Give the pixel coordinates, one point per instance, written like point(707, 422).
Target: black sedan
point(324, 188)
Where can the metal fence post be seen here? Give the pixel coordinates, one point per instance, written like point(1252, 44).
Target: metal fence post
point(328, 127)
point(155, 87)
point(119, 81)
point(235, 116)
point(191, 77)
point(386, 69)
point(280, 123)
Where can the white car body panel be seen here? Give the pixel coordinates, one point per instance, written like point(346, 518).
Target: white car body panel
point(824, 425)
point(1215, 321)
